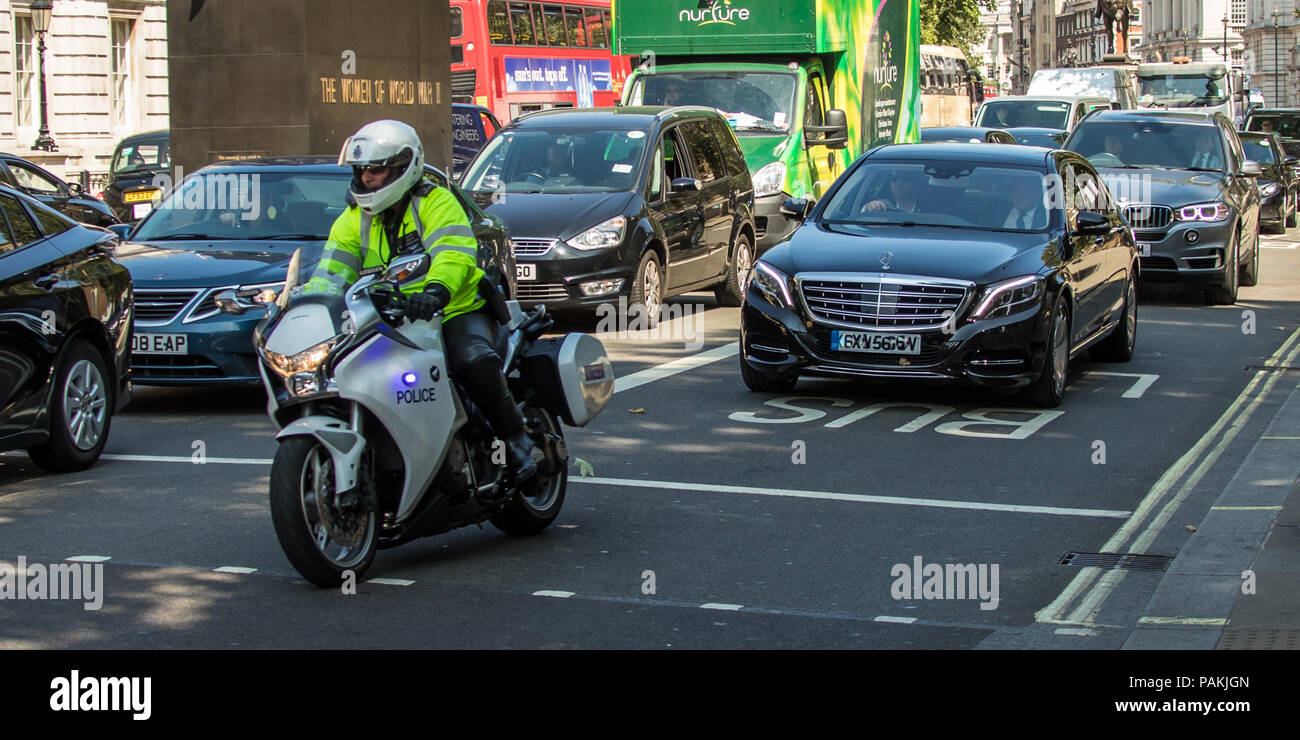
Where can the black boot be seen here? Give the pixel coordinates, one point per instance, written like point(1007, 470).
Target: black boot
point(488, 390)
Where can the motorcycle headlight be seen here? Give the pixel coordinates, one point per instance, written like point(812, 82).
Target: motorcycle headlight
point(306, 361)
point(1009, 296)
point(772, 284)
point(1203, 212)
point(607, 234)
point(1267, 189)
point(769, 180)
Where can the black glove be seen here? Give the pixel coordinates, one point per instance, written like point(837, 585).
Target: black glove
point(422, 306)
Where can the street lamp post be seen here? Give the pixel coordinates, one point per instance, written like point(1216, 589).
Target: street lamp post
point(1227, 57)
point(1277, 82)
point(41, 10)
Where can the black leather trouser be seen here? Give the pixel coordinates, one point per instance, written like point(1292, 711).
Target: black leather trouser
point(470, 340)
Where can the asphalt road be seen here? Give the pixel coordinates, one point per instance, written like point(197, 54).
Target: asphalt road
point(713, 517)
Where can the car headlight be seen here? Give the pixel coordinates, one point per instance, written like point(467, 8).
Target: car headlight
point(607, 234)
point(306, 361)
point(769, 180)
point(1203, 212)
point(1268, 189)
point(772, 284)
point(1009, 296)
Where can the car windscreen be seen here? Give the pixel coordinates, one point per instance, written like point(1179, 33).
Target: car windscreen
point(1286, 125)
point(942, 193)
point(142, 155)
point(558, 160)
point(1031, 113)
point(1258, 151)
point(1181, 90)
point(1142, 144)
point(243, 205)
point(751, 101)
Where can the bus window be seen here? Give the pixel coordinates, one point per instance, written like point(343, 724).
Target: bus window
point(521, 21)
point(577, 35)
point(596, 29)
point(554, 15)
point(457, 23)
point(498, 22)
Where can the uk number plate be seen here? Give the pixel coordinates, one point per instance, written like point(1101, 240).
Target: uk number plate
point(525, 272)
point(159, 344)
point(888, 344)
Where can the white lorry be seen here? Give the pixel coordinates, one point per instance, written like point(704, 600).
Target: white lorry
point(1198, 86)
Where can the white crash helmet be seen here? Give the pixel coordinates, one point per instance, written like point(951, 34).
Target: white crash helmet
point(385, 143)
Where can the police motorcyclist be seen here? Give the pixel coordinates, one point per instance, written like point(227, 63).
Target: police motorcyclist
point(393, 210)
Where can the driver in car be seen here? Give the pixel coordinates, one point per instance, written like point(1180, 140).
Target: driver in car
point(903, 186)
point(392, 210)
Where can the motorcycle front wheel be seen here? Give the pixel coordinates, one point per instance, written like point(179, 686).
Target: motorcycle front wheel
point(322, 540)
point(532, 508)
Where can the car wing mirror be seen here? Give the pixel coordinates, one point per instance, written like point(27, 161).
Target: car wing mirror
point(1251, 168)
point(1091, 223)
point(833, 135)
point(685, 184)
point(796, 208)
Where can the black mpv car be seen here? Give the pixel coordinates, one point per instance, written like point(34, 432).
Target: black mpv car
point(1276, 182)
point(65, 197)
point(65, 334)
point(982, 264)
point(611, 205)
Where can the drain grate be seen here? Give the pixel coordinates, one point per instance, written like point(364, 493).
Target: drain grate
point(1115, 561)
point(1260, 639)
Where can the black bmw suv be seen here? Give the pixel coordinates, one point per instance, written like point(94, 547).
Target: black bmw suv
point(620, 205)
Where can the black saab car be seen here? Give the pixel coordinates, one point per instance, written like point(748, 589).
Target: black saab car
point(1188, 191)
point(64, 197)
point(65, 334)
point(620, 205)
point(946, 262)
point(234, 227)
point(1277, 179)
point(133, 186)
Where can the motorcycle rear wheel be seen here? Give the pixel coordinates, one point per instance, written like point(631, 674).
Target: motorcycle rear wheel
point(323, 542)
point(533, 508)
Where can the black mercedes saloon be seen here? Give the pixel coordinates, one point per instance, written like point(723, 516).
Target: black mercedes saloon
point(968, 263)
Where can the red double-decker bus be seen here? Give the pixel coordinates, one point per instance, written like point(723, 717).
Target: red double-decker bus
point(518, 56)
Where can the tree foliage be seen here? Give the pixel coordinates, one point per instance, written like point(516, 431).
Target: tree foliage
point(954, 23)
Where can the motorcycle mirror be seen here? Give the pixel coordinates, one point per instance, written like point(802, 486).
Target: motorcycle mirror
point(406, 270)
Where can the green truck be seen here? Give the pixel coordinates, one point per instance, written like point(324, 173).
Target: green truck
point(807, 85)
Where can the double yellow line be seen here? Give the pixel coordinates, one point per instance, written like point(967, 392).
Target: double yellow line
point(1091, 587)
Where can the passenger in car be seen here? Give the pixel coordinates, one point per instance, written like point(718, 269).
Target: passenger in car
point(905, 188)
point(1026, 210)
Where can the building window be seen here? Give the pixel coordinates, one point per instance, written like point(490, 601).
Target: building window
point(1238, 17)
point(119, 68)
point(24, 69)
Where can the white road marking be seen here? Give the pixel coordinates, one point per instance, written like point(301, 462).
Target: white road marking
point(1206, 451)
point(896, 620)
point(1245, 508)
point(189, 459)
point(1145, 380)
point(855, 497)
point(88, 558)
point(234, 569)
point(723, 607)
point(1270, 246)
point(673, 367)
point(1075, 631)
point(554, 594)
point(391, 581)
point(1190, 621)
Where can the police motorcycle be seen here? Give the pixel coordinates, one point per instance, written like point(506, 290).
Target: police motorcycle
point(377, 444)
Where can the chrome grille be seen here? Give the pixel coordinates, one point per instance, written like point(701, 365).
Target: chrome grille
point(883, 301)
point(1148, 217)
point(540, 291)
point(161, 306)
point(527, 246)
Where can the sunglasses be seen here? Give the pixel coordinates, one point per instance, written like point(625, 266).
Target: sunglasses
point(373, 169)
